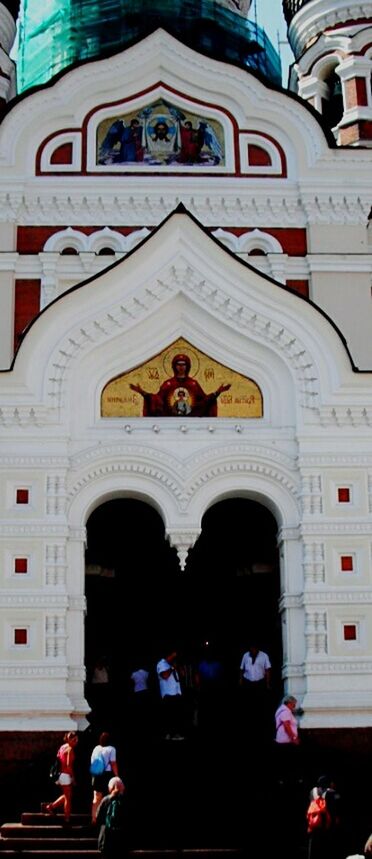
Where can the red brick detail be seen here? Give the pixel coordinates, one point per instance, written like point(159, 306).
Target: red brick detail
point(21, 565)
point(31, 240)
point(356, 92)
point(356, 133)
point(350, 632)
point(27, 306)
point(258, 156)
point(20, 636)
point(343, 493)
point(347, 565)
point(62, 154)
point(300, 286)
point(22, 496)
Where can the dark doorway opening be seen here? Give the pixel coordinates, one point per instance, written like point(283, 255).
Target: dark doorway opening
point(139, 602)
point(140, 606)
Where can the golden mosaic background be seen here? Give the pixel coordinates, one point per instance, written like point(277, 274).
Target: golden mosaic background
point(243, 400)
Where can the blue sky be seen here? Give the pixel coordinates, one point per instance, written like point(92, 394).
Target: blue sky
point(270, 17)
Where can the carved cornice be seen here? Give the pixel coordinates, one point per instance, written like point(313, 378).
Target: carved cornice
point(41, 600)
point(28, 530)
point(181, 483)
point(22, 461)
point(344, 666)
point(340, 597)
point(310, 20)
point(346, 417)
point(12, 670)
point(331, 529)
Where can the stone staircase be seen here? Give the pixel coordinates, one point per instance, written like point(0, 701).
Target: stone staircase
point(39, 835)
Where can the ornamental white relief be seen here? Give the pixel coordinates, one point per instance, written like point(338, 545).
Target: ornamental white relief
point(55, 565)
point(55, 495)
point(55, 636)
point(219, 303)
point(312, 494)
point(316, 632)
point(314, 563)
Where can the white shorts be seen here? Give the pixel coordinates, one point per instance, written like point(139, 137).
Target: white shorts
point(64, 779)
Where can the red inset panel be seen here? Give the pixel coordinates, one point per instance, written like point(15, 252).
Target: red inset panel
point(347, 565)
point(343, 494)
point(62, 154)
point(350, 632)
point(22, 496)
point(300, 286)
point(258, 157)
point(20, 636)
point(27, 306)
point(21, 565)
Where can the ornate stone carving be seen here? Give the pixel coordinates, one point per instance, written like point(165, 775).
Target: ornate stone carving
point(314, 563)
point(55, 636)
point(312, 494)
point(55, 564)
point(183, 541)
point(316, 632)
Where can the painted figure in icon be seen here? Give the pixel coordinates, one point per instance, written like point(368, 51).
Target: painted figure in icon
point(180, 395)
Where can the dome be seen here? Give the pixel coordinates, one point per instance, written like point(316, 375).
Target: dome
point(12, 6)
point(291, 7)
point(68, 32)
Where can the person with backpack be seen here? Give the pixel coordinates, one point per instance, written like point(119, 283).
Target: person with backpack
point(323, 821)
point(112, 821)
point(66, 758)
point(103, 766)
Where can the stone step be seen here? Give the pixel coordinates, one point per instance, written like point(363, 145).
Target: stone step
point(48, 842)
point(34, 818)
point(19, 830)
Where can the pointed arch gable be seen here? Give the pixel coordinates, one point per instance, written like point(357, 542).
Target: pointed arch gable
point(180, 281)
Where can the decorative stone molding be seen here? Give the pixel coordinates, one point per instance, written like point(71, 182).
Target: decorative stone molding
point(290, 601)
point(314, 563)
point(260, 210)
point(77, 603)
point(183, 541)
point(312, 494)
point(32, 600)
point(22, 530)
point(313, 19)
point(316, 632)
point(337, 597)
point(55, 564)
point(26, 672)
point(340, 667)
point(55, 494)
point(186, 280)
point(336, 417)
point(332, 528)
point(55, 636)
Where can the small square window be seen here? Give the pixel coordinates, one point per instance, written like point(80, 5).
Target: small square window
point(22, 496)
point(347, 563)
point(350, 632)
point(21, 565)
point(20, 636)
point(343, 493)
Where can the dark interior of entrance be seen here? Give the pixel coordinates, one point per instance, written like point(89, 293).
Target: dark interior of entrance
point(140, 604)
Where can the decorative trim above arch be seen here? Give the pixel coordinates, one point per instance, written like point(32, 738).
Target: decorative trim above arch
point(60, 153)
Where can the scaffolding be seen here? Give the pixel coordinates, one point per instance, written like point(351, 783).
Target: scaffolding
point(59, 33)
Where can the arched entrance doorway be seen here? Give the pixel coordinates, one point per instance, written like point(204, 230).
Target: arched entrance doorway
point(139, 602)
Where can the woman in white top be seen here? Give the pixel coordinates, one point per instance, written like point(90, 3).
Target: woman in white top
point(107, 753)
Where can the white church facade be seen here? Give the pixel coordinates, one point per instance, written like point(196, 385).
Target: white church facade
point(256, 254)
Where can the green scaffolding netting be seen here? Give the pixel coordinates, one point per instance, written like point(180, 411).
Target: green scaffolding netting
point(55, 34)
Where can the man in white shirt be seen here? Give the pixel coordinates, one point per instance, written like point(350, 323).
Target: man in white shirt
point(255, 680)
point(171, 695)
